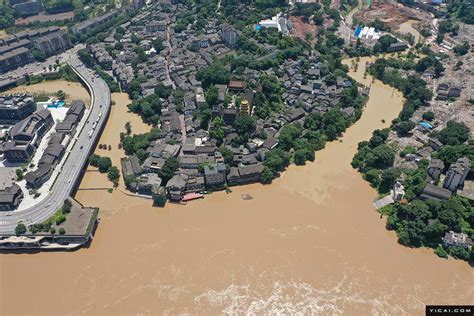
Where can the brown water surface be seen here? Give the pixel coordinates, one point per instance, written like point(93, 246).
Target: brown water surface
point(73, 90)
point(310, 242)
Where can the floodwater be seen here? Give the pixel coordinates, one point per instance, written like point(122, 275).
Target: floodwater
point(407, 27)
point(310, 242)
point(119, 116)
point(73, 90)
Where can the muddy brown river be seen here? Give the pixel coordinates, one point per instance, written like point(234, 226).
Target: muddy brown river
point(310, 243)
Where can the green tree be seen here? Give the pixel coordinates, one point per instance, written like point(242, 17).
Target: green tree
point(212, 95)
point(216, 73)
point(217, 131)
point(20, 229)
point(245, 125)
point(169, 168)
point(62, 231)
point(227, 154)
point(288, 134)
point(67, 205)
point(373, 177)
point(428, 116)
point(454, 133)
point(113, 175)
point(383, 156)
point(267, 175)
point(104, 164)
point(19, 174)
point(404, 128)
point(158, 44)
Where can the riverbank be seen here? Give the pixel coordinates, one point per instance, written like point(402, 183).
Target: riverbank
point(310, 242)
point(119, 116)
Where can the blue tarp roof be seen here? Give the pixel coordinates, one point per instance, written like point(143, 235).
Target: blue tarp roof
point(425, 125)
point(357, 31)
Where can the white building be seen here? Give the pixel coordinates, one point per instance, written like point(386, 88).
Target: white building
point(398, 191)
point(457, 239)
point(279, 22)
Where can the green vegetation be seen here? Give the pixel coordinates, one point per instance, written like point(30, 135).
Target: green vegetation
point(56, 219)
point(428, 116)
point(216, 73)
point(7, 16)
point(104, 164)
point(454, 133)
point(20, 229)
point(19, 174)
point(113, 175)
point(462, 11)
point(138, 143)
point(417, 223)
point(169, 168)
point(462, 49)
point(423, 223)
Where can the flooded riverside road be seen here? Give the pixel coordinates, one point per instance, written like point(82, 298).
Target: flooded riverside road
point(310, 242)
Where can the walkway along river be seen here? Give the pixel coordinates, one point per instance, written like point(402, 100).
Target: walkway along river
point(309, 242)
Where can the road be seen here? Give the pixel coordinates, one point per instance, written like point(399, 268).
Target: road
point(37, 68)
point(75, 162)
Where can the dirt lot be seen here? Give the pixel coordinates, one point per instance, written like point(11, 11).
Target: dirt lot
point(300, 29)
point(391, 14)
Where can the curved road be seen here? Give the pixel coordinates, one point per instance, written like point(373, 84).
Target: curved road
point(77, 157)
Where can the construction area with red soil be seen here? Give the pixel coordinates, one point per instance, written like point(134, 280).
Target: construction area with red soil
point(301, 28)
point(391, 14)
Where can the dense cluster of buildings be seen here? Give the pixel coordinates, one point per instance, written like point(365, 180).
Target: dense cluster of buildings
point(27, 7)
point(56, 147)
point(26, 135)
point(201, 165)
point(441, 184)
point(10, 192)
point(15, 50)
point(15, 107)
point(21, 143)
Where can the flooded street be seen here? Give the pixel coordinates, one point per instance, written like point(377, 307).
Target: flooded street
point(311, 242)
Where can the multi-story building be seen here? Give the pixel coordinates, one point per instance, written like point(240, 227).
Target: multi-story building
point(456, 174)
point(26, 136)
point(27, 7)
point(89, 25)
point(215, 176)
point(53, 43)
point(156, 26)
point(229, 34)
point(15, 49)
point(15, 107)
point(15, 55)
point(10, 193)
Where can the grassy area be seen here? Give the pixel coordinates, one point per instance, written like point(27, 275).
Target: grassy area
point(56, 219)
